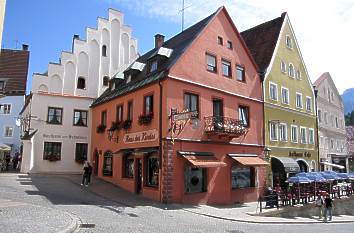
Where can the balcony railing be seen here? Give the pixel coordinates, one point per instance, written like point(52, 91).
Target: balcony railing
point(224, 126)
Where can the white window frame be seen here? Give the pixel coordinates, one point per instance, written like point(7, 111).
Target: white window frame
point(276, 91)
point(298, 74)
point(297, 134)
point(310, 98)
point(311, 140)
point(286, 132)
point(305, 136)
point(290, 45)
point(270, 131)
point(283, 66)
point(288, 95)
point(12, 131)
point(3, 107)
point(296, 102)
point(293, 69)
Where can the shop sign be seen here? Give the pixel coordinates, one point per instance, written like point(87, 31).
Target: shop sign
point(143, 136)
point(70, 137)
point(299, 154)
point(185, 116)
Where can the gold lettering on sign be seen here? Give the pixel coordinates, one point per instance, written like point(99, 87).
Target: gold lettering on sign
point(144, 136)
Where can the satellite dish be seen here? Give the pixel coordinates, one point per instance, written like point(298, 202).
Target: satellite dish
point(195, 123)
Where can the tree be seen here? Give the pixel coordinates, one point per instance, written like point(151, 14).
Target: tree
point(349, 118)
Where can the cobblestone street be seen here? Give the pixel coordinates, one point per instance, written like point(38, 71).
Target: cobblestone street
point(57, 203)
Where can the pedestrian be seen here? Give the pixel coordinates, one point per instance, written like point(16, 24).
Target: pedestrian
point(89, 172)
point(328, 202)
point(319, 205)
point(15, 161)
point(7, 160)
point(85, 176)
point(19, 162)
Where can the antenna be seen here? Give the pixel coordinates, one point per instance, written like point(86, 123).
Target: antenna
point(182, 10)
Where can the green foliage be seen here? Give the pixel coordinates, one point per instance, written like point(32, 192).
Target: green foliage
point(349, 118)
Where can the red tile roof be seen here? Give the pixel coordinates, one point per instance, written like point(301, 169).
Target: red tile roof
point(14, 69)
point(262, 39)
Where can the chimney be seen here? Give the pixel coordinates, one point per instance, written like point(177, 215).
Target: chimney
point(159, 40)
point(25, 47)
point(75, 37)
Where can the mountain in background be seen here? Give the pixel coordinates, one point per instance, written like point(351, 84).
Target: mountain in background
point(348, 100)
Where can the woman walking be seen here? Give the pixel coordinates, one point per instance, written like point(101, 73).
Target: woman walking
point(86, 175)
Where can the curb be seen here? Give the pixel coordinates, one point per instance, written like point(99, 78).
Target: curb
point(73, 226)
point(268, 222)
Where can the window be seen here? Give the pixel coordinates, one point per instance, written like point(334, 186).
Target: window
point(81, 152)
point(294, 133)
point(285, 95)
point(191, 102)
point(153, 171)
point(329, 95)
point(298, 74)
point(104, 50)
point(332, 96)
point(337, 126)
point(128, 161)
point(148, 104)
point(229, 45)
point(107, 164)
point(81, 83)
point(291, 70)
point(52, 151)
point(153, 66)
point(218, 108)
point(5, 108)
point(332, 144)
point(242, 177)
point(2, 85)
point(283, 66)
point(55, 116)
point(119, 113)
point(80, 118)
point(312, 136)
point(211, 63)
point(319, 113)
point(303, 135)
point(105, 81)
point(9, 131)
point(273, 131)
point(195, 179)
point(283, 132)
point(226, 68)
point(298, 100)
point(104, 118)
point(288, 42)
point(308, 104)
point(220, 40)
point(130, 111)
point(240, 73)
point(325, 117)
point(243, 115)
point(273, 91)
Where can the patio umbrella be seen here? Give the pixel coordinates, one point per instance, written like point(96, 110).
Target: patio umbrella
point(298, 180)
point(4, 147)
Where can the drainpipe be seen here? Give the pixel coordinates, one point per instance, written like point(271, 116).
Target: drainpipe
point(317, 142)
point(262, 77)
point(160, 137)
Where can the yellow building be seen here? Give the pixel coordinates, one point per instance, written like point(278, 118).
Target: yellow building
point(2, 18)
point(289, 101)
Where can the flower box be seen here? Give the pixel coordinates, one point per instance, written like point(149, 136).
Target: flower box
point(115, 126)
point(145, 119)
point(101, 129)
point(127, 124)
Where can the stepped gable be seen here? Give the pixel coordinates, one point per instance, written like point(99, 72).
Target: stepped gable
point(178, 44)
point(262, 39)
point(14, 69)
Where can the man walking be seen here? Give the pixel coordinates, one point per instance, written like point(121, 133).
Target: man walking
point(328, 208)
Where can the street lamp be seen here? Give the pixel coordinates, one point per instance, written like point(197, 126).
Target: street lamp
point(267, 151)
point(268, 180)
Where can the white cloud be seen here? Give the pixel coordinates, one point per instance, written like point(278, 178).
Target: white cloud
point(324, 29)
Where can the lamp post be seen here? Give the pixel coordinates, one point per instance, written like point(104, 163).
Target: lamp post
point(267, 156)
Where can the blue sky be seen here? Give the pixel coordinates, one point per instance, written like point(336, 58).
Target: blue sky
point(324, 33)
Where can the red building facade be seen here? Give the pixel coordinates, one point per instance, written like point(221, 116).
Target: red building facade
point(186, 123)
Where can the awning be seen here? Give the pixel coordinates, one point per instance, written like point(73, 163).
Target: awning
point(333, 165)
point(4, 147)
point(145, 150)
point(290, 165)
point(201, 159)
point(250, 161)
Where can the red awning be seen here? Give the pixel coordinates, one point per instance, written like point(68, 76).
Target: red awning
point(251, 161)
point(202, 159)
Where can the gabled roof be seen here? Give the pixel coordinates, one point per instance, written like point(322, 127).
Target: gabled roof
point(324, 76)
point(178, 44)
point(321, 79)
point(261, 40)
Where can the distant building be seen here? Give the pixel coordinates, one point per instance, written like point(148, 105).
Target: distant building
point(2, 18)
point(331, 125)
point(13, 78)
point(350, 146)
point(289, 101)
point(56, 118)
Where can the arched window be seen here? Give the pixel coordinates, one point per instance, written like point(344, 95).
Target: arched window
point(107, 163)
point(81, 83)
point(288, 42)
point(291, 70)
point(104, 50)
point(153, 170)
point(105, 81)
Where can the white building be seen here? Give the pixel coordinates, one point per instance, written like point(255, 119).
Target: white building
point(56, 118)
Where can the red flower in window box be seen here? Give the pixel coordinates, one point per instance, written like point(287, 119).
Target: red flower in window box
point(101, 129)
point(145, 119)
